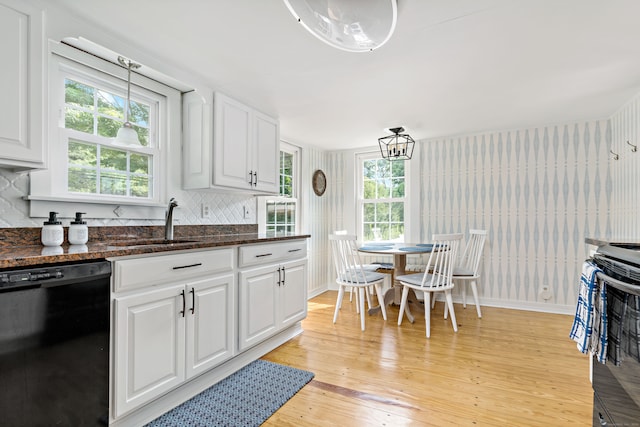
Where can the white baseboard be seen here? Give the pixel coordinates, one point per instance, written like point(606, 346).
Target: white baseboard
point(499, 303)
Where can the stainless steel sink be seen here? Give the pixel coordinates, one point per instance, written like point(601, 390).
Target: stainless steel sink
point(148, 242)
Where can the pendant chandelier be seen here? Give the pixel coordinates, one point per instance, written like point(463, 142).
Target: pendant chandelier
point(398, 146)
point(127, 135)
point(354, 26)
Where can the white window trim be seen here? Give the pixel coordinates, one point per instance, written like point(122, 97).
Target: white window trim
point(263, 200)
point(48, 187)
point(370, 155)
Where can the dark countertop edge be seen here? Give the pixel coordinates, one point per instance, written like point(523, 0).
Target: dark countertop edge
point(102, 250)
point(601, 242)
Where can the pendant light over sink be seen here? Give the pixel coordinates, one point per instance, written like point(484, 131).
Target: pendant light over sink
point(127, 135)
point(354, 26)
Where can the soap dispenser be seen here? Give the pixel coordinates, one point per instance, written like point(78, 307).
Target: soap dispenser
point(52, 233)
point(78, 231)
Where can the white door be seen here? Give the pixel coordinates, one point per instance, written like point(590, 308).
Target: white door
point(232, 142)
point(21, 85)
point(257, 317)
point(149, 346)
point(293, 293)
point(210, 323)
point(266, 154)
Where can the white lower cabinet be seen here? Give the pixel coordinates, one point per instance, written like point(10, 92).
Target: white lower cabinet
point(180, 324)
point(271, 298)
point(179, 318)
point(166, 336)
point(150, 352)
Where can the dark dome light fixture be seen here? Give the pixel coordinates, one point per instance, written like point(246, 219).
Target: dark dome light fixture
point(398, 146)
point(354, 26)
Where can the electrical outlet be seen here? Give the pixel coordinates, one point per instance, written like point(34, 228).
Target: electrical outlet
point(545, 293)
point(205, 210)
point(245, 212)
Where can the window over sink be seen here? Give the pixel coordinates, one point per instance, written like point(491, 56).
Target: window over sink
point(87, 104)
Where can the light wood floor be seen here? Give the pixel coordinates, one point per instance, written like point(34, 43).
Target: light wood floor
point(510, 368)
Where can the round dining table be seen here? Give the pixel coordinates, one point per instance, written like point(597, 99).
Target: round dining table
point(399, 252)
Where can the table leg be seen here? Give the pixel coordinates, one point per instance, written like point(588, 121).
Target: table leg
point(394, 294)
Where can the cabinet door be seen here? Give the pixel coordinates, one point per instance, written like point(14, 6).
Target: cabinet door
point(232, 142)
point(197, 116)
point(210, 323)
point(266, 154)
point(293, 293)
point(149, 346)
point(257, 317)
point(21, 77)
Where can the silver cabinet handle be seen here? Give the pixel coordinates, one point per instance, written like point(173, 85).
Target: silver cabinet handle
point(250, 178)
point(261, 255)
point(295, 250)
point(255, 180)
point(193, 300)
point(279, 277)
point(284, 276)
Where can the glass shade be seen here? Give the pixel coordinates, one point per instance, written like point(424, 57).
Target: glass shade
point(351, 25)
point(127, 136)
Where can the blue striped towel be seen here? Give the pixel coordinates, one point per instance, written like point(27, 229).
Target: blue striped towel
point(589, 328)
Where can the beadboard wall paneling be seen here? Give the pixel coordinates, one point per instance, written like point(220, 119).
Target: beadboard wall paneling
point(538, 191)
point(625, 172)
point(316, 218)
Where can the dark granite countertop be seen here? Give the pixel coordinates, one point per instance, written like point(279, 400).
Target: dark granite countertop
point(21, 247)
point(602, 241)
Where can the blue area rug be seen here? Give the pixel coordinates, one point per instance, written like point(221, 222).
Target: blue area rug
point(245, 398)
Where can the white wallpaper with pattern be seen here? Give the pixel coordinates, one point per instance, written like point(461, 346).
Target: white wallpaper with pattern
point(538, 191)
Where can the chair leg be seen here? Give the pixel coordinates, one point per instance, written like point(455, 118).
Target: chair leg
point(433, 300)
point(368, 294)
point(361, 292)
point(464, 293)
point(403, 303)
point(427, 314)
point(447, 295)
point(338, 303)
point(381, 300)
point(474, 289)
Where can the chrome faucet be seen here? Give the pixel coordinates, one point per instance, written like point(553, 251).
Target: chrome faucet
point(168, 225)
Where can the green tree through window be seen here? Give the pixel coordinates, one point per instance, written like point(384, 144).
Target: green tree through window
point(95, 167)
point(280, 215)
point(382, 202)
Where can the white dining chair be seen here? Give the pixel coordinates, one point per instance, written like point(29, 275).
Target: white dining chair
point(467, 269)
point(351, 274)
point(437, 277)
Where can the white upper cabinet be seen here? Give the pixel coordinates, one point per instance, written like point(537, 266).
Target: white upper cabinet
point(243, 152)
point(21, 86)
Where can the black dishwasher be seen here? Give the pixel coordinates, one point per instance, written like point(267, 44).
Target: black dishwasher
point(54, 345)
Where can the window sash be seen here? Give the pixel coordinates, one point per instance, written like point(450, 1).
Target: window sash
point(97, 73)
point(383, 214)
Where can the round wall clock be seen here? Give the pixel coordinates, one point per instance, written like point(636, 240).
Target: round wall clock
point(319, 182)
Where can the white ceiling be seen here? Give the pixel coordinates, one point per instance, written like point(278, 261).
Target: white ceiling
point(451, 67)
